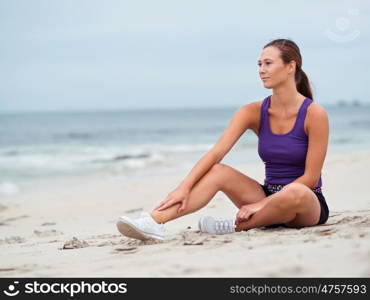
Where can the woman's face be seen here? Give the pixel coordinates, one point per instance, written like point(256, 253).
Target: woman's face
point(272, 69)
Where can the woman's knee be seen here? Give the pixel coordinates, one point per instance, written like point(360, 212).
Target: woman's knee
point(220, 169)
point(292, 196)
point(217, 167)
point(219, 173)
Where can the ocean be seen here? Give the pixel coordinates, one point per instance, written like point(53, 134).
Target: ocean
point(126, 144)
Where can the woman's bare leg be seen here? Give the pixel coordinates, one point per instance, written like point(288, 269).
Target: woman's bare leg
point(203, 191)
point(240, 188)
point(280, 207)
point(295, 205)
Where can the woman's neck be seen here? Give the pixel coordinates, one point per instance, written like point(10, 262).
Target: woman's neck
point(286, 98)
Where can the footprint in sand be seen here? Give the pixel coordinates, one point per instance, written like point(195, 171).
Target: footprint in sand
point(8, 220)
point(47, 233)
point(134, 242)
point(190, 238)
point(324, 232)
point(108, 243)
point(196, 242)
point(75, 243)
point(350, 220)
point(126, 250)
point(134, 210)
point(7, 269)
point(48, 224)
point(105, 236)
point(108, 240)
point(12, 240)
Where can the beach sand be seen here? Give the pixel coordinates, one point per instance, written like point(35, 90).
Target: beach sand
point(67, 229)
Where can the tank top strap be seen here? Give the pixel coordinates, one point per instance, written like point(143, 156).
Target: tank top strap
point(263, 115)
point(302, 113)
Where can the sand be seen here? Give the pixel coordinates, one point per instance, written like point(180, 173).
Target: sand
point(66, 228)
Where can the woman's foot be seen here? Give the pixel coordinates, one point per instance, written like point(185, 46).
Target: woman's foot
point(143, 228)
point(216, 225)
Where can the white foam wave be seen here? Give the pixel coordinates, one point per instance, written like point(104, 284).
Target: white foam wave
point(8, 188)
point(47, 160)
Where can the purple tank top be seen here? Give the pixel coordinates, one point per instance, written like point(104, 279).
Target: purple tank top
point(284, 155)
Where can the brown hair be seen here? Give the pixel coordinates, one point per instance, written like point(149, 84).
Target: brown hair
point(289, 51)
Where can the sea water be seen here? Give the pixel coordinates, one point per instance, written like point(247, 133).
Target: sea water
point(138, 142)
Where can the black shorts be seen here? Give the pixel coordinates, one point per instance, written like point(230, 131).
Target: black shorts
point(324, 214)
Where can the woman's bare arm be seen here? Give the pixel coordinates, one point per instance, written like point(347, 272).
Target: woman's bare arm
point(242, 120)
point(318, 139)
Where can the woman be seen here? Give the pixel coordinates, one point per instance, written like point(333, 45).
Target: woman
point(292, 142)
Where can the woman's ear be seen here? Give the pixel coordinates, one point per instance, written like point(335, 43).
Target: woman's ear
point(292, 66)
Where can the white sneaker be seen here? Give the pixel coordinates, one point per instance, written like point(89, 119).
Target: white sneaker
point(216, 225)
point(142, 227)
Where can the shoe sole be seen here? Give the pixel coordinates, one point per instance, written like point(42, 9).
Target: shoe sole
point(131, 231)
point(201, 225)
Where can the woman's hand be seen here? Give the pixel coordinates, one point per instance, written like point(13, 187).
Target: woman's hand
point(246, 211)
point(179, 195)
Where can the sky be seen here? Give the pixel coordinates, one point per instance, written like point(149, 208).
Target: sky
point(65, 55)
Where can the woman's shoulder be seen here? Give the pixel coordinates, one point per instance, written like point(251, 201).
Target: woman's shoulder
point(316, 117)
point(253, 105)
point(315, 110)
point(253, 109)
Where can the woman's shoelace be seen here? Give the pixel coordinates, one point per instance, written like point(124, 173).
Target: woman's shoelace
point(223, 225)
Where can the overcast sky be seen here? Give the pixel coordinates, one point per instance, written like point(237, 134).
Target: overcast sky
point(102, 55)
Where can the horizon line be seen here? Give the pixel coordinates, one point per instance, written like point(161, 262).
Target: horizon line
point(99, 110)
